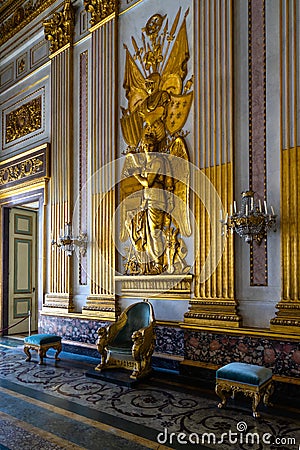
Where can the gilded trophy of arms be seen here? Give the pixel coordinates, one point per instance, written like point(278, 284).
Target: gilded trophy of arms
point(155, 175)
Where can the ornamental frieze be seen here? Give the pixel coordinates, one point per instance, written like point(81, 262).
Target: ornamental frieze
point(24, 120)
point(100, 9)
point(18, 14)
point(59, 29)
point(25, 168)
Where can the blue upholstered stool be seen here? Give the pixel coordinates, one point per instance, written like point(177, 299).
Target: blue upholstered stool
point(41, 343)
point(254, 381)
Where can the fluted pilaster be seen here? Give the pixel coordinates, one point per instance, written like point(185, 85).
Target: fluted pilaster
point(214, 303)
point(61, 191)
point(101, 301)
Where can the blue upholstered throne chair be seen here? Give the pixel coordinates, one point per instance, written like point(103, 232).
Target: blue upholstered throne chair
point(129, 342)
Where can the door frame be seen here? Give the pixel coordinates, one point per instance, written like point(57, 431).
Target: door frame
point(6, 204)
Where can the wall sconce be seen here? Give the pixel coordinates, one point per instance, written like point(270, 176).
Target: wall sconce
point(251, 222)
point(67, 242)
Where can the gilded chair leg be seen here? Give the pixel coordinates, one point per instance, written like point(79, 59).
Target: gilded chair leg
point(102, 364)
point(137, 370)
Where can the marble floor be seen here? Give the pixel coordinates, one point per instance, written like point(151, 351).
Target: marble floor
point(56, 406)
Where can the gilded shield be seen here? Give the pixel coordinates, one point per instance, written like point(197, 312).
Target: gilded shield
point(178, 111)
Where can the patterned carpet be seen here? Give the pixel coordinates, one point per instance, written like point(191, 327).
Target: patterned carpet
point(56, 406)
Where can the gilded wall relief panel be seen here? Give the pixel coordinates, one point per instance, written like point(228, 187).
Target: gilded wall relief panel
point(25, 168)
point(24, 120)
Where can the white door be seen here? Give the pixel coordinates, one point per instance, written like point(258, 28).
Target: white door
point(22, 270)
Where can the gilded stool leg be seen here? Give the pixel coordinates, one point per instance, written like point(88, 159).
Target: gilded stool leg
point(58, 350)
point(220, 392)
point(42, 355)
point(269, 391)
point(27, 352)
point(255, 402)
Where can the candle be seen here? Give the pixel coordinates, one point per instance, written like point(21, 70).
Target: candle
point(234, 206)
point(272, 210)
point(265, 205)
point(226, 218)
point(246, 209)
point(259, 205)
point(231, 209)
point(221, 215)
point(252, 203)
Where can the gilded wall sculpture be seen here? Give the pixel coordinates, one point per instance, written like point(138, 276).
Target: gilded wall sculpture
point(155, 176)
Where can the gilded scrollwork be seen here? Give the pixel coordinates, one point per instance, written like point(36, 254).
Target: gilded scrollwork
point(24, 120)
point(59, 29)
point(20, 170)
point(100, 9)
point(155, 177)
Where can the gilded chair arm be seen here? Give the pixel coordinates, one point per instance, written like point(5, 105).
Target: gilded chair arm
point(143, 342)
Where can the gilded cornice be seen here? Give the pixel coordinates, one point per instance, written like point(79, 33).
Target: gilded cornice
point(16, 14)
point(59, 29)
point(100, 9)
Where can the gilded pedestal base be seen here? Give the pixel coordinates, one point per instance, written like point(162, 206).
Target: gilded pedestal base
point(139, 369)
point(288, 318)
point(160, 286)
point(213, 312)
point(101, 308)
point(58, 302)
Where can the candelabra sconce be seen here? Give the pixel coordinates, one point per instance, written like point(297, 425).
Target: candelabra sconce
point(67, 242)
point(251, 222)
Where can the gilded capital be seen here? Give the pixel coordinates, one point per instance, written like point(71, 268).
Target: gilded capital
point(100, 9)
point(59, 28)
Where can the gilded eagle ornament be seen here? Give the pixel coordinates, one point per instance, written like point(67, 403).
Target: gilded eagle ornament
point(155, 175)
